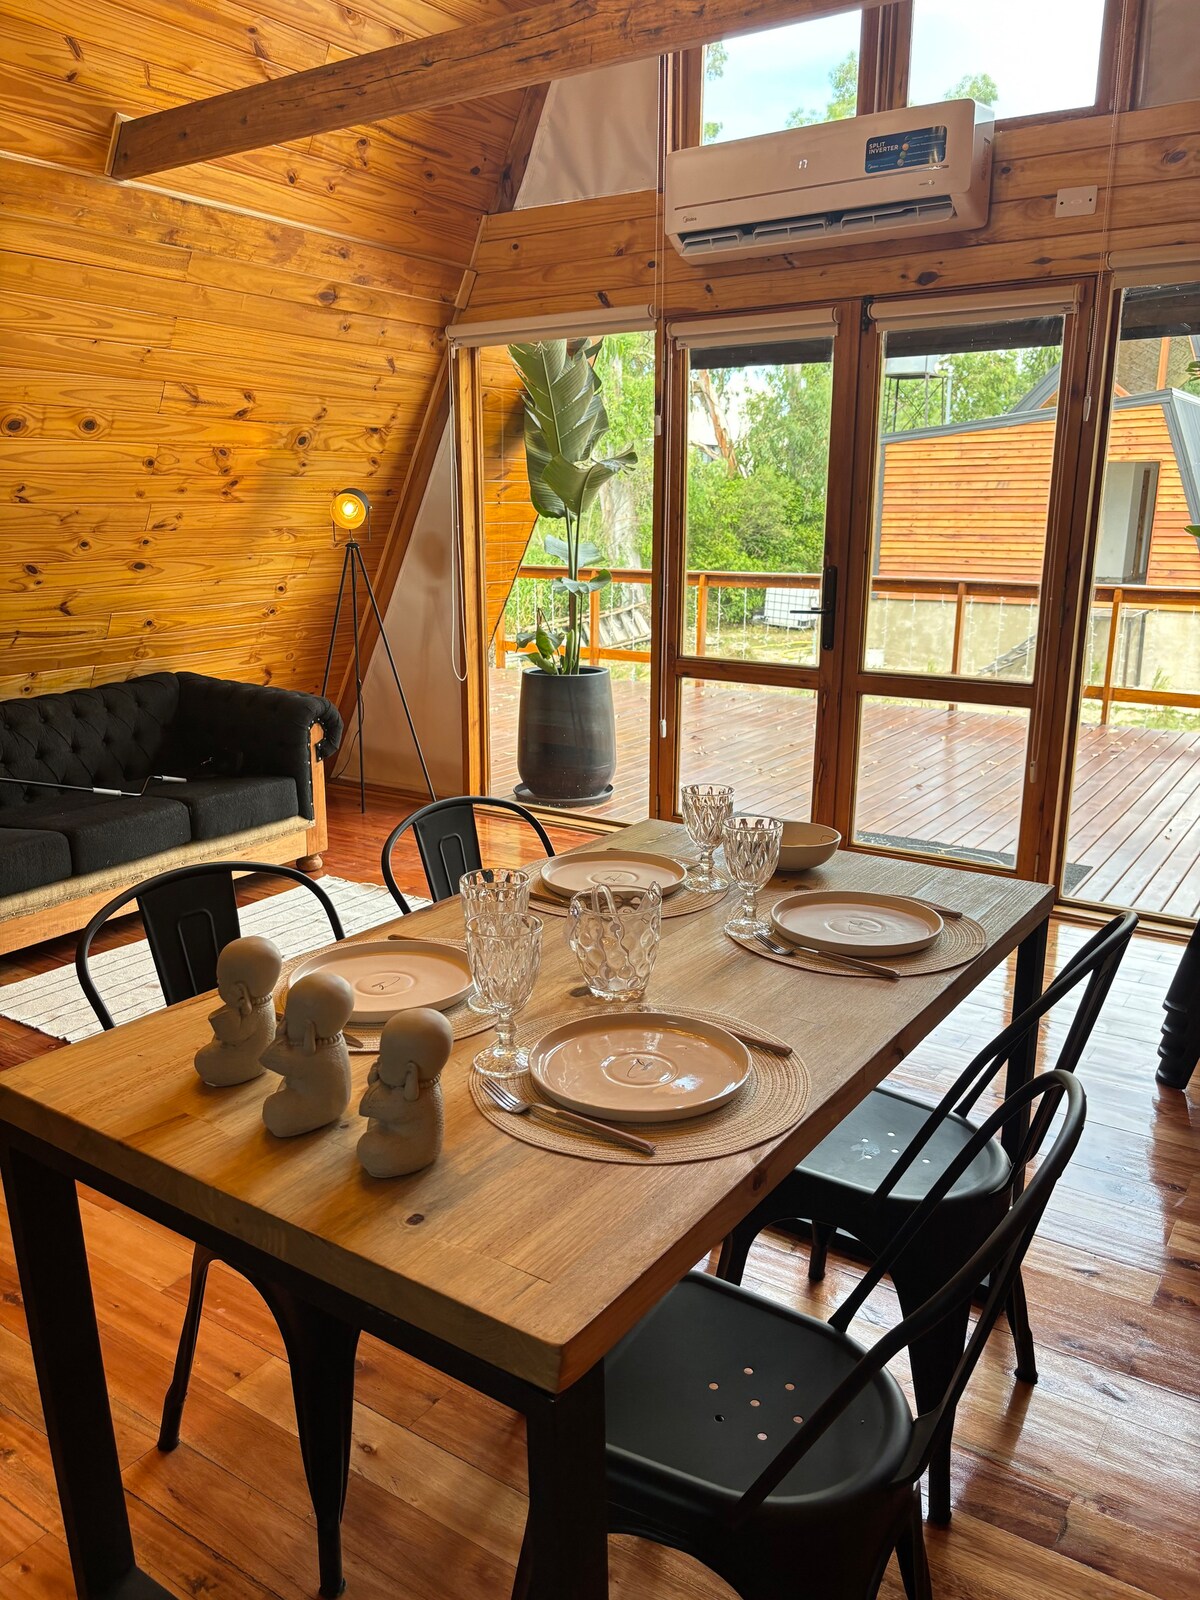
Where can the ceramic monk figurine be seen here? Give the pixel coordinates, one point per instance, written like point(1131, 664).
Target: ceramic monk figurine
point(243, 1027)
point(404, 1098)
point(310, 1055)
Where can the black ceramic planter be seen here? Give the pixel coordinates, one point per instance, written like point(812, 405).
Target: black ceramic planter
point(566, 735)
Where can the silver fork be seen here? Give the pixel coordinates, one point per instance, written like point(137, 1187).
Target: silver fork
point(504, 1097)
point(872, 968)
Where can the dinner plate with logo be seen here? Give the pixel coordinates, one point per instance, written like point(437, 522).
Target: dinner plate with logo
point(855, 922)
point(644, 1066)
point(387, 976)
point(618, 869)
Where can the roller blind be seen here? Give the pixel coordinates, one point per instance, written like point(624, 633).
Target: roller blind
point(563, 325)
point(770, 339)
point(968, 311)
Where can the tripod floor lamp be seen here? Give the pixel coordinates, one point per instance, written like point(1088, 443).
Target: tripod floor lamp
point(350, 511)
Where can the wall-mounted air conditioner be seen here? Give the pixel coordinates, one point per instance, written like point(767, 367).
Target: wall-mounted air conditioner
point(926, 169)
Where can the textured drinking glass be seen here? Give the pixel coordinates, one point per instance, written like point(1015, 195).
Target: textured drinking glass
point(505, 955)
point(614, 933)
point(490, 893)
point(706, 809)
point(751, 854)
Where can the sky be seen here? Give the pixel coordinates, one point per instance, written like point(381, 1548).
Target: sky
point(1042, 54)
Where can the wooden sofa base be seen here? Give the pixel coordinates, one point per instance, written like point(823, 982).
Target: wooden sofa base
point(299, 841)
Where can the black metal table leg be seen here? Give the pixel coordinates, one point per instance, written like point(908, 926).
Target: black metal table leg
point(43, 1209)
point(567, 1538)
point(1028, 983)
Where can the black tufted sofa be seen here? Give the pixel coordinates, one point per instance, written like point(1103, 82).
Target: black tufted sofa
point(248, 753)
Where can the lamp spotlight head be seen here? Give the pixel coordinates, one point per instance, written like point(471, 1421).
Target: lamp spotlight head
point(349, 509)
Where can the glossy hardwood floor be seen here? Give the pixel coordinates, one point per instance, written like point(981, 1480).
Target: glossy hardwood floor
point(1083, 1488)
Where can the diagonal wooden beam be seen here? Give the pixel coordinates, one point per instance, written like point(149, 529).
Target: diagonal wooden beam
point(556, 40)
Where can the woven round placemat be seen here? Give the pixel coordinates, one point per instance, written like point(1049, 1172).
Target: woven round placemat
point(959, 941)
point(465, 1022)
point(771, 1102)
point(680, 904)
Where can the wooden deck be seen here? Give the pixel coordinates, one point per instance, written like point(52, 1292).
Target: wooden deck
point(930, 777)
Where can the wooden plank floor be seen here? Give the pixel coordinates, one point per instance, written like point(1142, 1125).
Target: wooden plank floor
point(933, 774)
point(1080, 1489)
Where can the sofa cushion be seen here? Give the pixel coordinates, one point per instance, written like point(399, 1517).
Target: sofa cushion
point(220, 806)
point(112, 735)
point(30, 858)
point(103, 832)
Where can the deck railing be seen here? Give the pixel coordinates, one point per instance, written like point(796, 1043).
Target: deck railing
point(1115, 597)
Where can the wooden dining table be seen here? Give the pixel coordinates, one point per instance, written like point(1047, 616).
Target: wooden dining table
point(512, 1268)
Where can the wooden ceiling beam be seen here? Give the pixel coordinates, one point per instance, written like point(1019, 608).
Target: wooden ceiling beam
point(556, 40)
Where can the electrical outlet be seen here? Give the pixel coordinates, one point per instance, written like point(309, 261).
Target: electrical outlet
point(1076, 202)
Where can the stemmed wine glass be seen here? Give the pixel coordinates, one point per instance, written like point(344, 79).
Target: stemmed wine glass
point(490, 894)
point(751, 854)
point(706, 807)
point(505, 955)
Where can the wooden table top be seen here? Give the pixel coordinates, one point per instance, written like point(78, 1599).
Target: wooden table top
point(536, 1262)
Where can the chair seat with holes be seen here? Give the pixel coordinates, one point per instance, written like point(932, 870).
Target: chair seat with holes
point(860, 1149)
point(710, 1383)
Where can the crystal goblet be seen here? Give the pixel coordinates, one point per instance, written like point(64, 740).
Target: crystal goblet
point(706, 808)
point(505, 955)
point(489, 893)
point(751, 855)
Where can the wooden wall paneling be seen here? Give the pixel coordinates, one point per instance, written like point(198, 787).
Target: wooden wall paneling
point(187, 375)
point(604, 251)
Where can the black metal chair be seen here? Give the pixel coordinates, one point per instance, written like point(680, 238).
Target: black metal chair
point(876, 1167)
point(774, 1448)
point(189, 916)
point(448, 842)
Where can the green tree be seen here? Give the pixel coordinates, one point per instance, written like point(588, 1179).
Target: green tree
point(843, 96)
point(980, 86)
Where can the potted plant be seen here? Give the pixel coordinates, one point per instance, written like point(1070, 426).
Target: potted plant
point(566, 734)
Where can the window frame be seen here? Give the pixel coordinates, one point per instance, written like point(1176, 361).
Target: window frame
point(885, 60)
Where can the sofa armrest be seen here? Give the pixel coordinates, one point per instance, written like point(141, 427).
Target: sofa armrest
point(226, 729)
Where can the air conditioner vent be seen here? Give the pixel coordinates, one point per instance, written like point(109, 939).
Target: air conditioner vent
point(789, 230)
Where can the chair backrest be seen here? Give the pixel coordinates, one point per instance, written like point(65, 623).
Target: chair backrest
point(998, 1260)
point(1095, 964)
point(190, 914)
point(448, 841)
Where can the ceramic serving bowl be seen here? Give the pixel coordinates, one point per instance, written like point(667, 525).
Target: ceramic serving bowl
point(806, 845)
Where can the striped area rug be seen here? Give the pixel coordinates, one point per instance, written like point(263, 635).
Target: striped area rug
point(54, 1003)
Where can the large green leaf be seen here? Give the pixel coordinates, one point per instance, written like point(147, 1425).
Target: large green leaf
point(562, 392)
point(577, 483)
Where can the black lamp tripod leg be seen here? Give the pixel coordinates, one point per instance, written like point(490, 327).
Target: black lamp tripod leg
point(337, 617)
point(353, 555)
point(395, 672)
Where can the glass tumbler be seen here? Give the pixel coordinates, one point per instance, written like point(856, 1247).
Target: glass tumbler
point(751, 854)
point(706, 807)
point(505, 954)
point(614, 934)
point(490, 893)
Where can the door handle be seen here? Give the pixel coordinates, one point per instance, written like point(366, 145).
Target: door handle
point(827, 610)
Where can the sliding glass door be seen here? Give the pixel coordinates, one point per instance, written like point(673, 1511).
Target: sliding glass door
point(946, 624)
point(1133, 837)
point(753, 580)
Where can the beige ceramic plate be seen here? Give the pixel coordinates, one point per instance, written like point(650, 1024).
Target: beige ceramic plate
point(856, 922)
point(395, 975)
point(647, 1066)
point(619, 869)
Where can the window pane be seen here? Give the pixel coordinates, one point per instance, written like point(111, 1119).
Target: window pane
point(1134, 837)
point(759, 739)
point(785, 78)
point(521, 562)
point(966, 459)
point(758, 462)
point(941, 779)
point(1017, 56)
